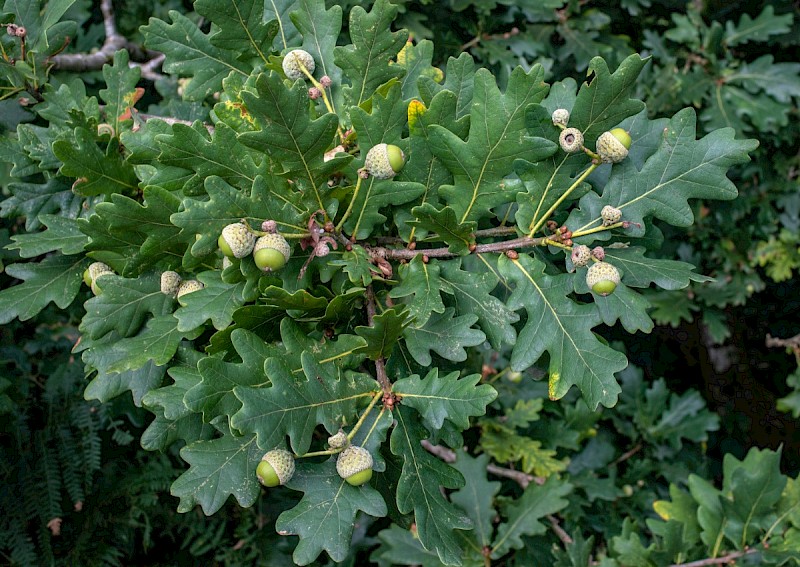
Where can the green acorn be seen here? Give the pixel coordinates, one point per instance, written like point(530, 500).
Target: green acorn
point(95, 270)
point(602, 278)
point(571, 140)
point(613, 146)
point(580, 255)
point(170, 283)
point(384, 161)
point(610, 215)
point(271, 252)
point(355, 465)
point(189, 286)
point(276, 468)
point(294, 59)
point(236, 240)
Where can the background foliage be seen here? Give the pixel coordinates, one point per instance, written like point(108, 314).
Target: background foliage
point(578, 483)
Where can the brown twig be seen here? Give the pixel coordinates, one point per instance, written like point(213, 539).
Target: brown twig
point(380, 364)
point(113, 43)
point(628, 454)
point(792, 342)
point(724, 560)
point(406, 254)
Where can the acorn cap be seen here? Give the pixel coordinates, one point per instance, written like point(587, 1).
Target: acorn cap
point(571, 140)
point(580, 255)
point(188, 286)
point(337, 441)
point(96, 269)
point(238, 239)
point(603, 278)
point(293, 60)
point(355, 465)
point(560, 116)
point(170, 282)
point(384, 161)
point(276, 467)
point(612, 147)
point(610, 215)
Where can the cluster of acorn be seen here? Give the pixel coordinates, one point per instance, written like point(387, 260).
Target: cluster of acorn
point(354, 463)
point(269, 249)
point(611, 146)
point(602, 277)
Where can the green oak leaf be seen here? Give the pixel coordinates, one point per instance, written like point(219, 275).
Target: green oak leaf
point(170, 398)
point(293, 141)
point(357, 265)
point(383, 334)
point(190, 53)
point(124, 306)
point(437, 397)
point(241, 27)
point(120, 88)
point(202, 155)
point(459, 80)
point(525, 513)
point(326, 515)
point(157, 341)
point(62, 234)
point(225, 205)
point(301, 303)
point(278, 11)
point(141, 232)
point(217, 301)
point(400, 546)
point(476, 497)
point(682, 168)
point(497, 137)
point(342, 352)
point(471, 293)
point(214, 395)
point(640, 271)
point(457, 235)
point(445, 334)
point(56, 278)
point(108, 385)
point(766, 24)
point(319, 28)
point(421, 281)
point(218, 468)
point(367, 62)
point(295, 403)
point(419, 489)
point(561, 327)
point(417, 59)
point(162, 433)
point(97, 172)
point(752, 488)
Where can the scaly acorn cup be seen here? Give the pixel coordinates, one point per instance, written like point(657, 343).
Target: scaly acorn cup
point(580, 255)
point(384, 161)
point(613, 146)
point(338, 441)
point(95, 270)
point(294, 59)
point(236, 240)
point(276, 468)
point(571, 140)
point(170, 283)
point(610, 215)
point(602, 278)
point(560, 116)
point(189, 286)
point(354, 465)
point(271, 252)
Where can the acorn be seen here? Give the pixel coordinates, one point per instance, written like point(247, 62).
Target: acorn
point(603, 278)
point(276, 468)
point(384, 161)
point(338, 441)
point(354, 465)
point(95, 270)
point(571, 140)
point(610, 215)
point(170, 282)
point(613, 146)
point(271, 252)
point(580, 255)
point(293, 61)
point(236, 240)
